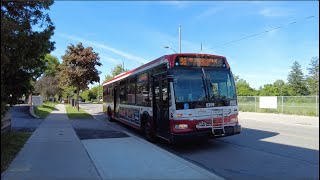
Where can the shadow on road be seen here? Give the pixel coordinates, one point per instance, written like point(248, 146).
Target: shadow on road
point(22, 119)
point(250, 155)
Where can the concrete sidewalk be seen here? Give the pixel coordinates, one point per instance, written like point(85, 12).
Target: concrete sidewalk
point(52, 152)
point(55, 152)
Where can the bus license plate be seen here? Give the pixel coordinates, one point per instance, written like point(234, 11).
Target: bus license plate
point(209, 105)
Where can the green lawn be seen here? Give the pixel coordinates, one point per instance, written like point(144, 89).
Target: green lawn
point(73, 113)
point(44, 110)
point(306, 109)
point(11, 144)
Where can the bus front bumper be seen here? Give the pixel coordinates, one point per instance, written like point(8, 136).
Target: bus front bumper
point(205, 134)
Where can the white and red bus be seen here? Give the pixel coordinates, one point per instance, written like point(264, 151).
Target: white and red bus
point(177, 96)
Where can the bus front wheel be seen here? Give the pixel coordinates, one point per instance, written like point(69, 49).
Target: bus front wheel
point(149, 131)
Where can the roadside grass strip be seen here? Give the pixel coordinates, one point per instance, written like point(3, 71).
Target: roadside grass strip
point(44, 110)
point(11, 144)
point(73, 113)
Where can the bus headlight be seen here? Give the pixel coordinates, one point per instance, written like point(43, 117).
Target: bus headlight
point(181, 126)
point(234, 119)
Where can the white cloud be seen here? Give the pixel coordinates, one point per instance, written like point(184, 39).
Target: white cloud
point(178, 4)
point(276, 12)
point(209, 12)
point(105, 47)
point(109, 59)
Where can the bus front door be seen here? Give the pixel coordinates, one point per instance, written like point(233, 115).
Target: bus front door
point(161, 104)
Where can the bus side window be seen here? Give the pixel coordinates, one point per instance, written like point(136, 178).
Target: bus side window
point(142, 89)
point(110, 94)
point(123, 92)
point(131, 90)
point(105, 94)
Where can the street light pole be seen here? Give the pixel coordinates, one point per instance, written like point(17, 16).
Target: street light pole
point(171, 49)
point(99, 91)
point(180, 39)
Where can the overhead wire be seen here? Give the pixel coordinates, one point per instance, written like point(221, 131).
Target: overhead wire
point(257, 34)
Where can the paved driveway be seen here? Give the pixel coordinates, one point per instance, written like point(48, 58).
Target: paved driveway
point(22, 120)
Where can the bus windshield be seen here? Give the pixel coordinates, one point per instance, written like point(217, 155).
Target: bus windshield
point(203, 84)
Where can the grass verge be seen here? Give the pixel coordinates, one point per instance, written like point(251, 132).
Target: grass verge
point(73, 113)
point(44, 110)
point(11, 144)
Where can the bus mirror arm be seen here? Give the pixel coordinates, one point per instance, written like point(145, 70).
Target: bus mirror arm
point(170, 78)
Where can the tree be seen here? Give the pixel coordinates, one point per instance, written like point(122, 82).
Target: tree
point(278, 88)
point(67, 91)
point(269, 90)
point(48, 86)
point(244, 89)
point(296, 81)
point(313, 76)
point(88, 95)
point(78, 67)
point(52, 64)
point(282, 88)
point(95, 91)
point(22, 47)
point(115, 71)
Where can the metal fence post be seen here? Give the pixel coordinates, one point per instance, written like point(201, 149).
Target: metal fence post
point(282, 105)
point(255, 104)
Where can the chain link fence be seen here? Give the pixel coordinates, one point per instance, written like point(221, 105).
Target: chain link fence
point(300, 105)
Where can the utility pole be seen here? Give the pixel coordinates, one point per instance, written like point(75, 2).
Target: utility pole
point(180, 39)
point(99, 91)
point(201, 47)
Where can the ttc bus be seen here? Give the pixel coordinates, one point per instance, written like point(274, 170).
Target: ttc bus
point(176, 97)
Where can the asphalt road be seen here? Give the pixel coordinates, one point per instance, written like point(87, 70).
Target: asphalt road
point(263, 150)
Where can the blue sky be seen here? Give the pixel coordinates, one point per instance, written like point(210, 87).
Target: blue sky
point(136, 32)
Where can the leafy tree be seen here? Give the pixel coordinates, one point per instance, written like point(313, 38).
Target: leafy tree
point(68, 92)
point(52, 64)
point(244, 89)
point(269, 90)
point(296, 81)
point(88, 95)
point(95, 91)
point(115, 71)
point(278, 88)
point(313, 76)
point(282, 88)
point(78, 67)
point(47, 86)
point(22, 47)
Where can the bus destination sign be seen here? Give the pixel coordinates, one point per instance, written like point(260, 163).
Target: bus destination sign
point(200, 61)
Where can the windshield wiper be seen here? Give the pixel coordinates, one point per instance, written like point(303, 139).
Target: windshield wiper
point(204, 81)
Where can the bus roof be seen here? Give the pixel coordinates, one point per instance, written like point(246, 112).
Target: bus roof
point(170, 57)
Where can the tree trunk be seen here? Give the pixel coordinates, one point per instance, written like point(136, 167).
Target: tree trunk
point(77, 100)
